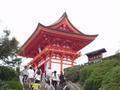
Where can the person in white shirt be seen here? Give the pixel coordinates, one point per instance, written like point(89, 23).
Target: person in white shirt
point(40, 72)
point(31, 75)
point(55, 79)
point(25, 74)
point(49, 74)
point(38, 77)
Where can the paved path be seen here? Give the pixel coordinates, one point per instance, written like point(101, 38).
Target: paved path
point(71, 86)
point(20, 77)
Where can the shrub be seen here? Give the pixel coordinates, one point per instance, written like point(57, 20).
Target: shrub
point(104, 75)
point(7, 73)
point(2, 85)
point(72, 74)
point(18, 70)
point(85, 73)
point(111, 86)
point(14, 85)
point(111, 80)
point(91, 85)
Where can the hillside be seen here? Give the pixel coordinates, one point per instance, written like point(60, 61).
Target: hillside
point(104, 75)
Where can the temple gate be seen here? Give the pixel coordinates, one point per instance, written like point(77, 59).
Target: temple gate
point(55, 46)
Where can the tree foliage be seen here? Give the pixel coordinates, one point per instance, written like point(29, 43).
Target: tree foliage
point(9, 79)
point(8, 48)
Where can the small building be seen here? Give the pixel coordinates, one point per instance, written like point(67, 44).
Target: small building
point(55, 46)
point(95, 56)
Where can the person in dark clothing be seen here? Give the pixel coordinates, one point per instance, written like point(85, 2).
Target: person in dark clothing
point(62, 80)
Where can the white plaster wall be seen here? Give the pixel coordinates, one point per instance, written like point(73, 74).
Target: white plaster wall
point(56, 66)
point(47, 65)
point(66, 66)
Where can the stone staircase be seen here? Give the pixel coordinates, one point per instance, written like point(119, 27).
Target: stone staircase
point(69, 86)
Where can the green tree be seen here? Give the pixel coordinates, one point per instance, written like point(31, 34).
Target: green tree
point(8, 48)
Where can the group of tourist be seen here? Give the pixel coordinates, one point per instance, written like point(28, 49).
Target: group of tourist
point(32, 79)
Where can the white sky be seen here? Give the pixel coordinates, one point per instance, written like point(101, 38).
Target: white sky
point(89, 16)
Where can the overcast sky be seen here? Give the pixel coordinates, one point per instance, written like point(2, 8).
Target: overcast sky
point(89, 16)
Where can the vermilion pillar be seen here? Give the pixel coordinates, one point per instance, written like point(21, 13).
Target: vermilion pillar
point(61, 64)
point(50, 61)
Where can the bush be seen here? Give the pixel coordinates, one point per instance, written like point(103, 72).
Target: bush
point(112, 79)
point(2, 85)
point(18, 70)
point(111, 86)
point(104, 75)
point(72, 74)
point(14, 85)
point(91, 85)
point(7, 73)
point(88, 85)
point(85, 72)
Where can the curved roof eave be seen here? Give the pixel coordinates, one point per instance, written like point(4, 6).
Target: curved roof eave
point(64, 16)
point(47, 27)
point(69, 34)
point(33, 35)
point(59, 20)
point(42, 26)
point(62, 19)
